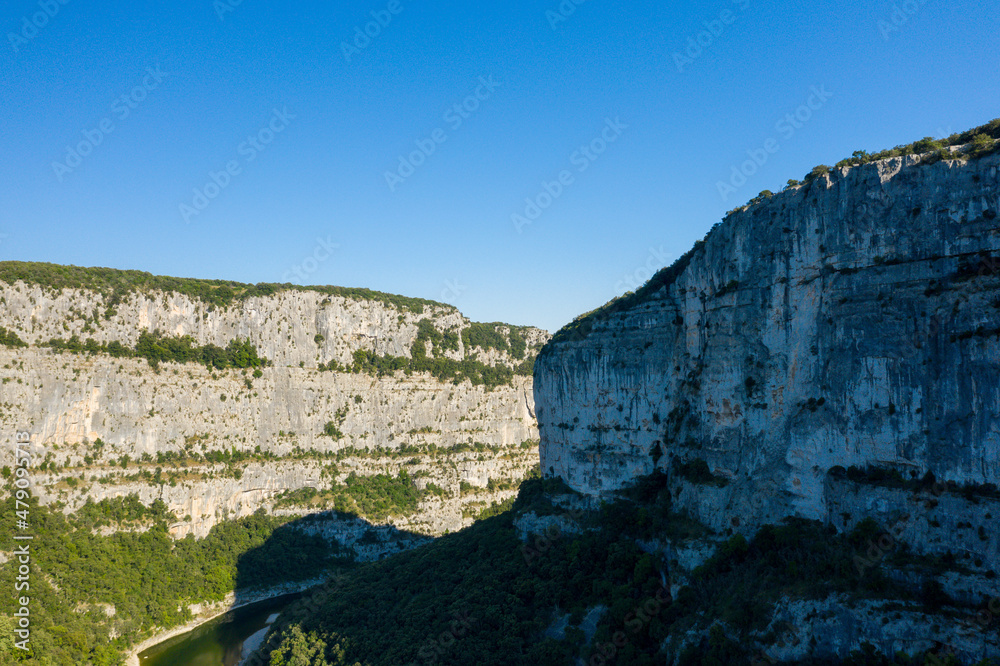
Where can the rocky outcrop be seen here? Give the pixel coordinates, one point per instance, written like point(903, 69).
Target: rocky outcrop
point(110, 425)
point(851, 321)
point(290, 327)
point(829, 353)
point(801, 629)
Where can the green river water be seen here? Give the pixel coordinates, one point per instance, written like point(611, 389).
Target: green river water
point(217, 642)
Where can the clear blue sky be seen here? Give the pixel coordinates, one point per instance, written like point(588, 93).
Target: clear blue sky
point(445, 231)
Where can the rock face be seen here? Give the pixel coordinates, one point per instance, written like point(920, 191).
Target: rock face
point(86, 412)
point(852, 321)
point(65, 399)
point(283, 326)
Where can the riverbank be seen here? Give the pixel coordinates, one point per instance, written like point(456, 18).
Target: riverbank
point(207, 612)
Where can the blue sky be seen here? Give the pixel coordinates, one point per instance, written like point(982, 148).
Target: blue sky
point(247, 142)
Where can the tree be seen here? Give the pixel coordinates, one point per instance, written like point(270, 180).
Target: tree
point(300, 649)
point(214, 356)
point(981, 144)
point(927, 145)
point(817, 171)
point(6, 634)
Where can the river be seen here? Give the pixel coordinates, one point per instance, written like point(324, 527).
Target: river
point(218, 642)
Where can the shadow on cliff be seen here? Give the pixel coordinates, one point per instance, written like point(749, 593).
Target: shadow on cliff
point(306, 548)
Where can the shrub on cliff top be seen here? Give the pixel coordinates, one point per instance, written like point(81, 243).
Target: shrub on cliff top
point(115, 284)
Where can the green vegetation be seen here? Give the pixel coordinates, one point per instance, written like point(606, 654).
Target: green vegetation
point(697, 471)
point(506, 593)
point(380, 496)
point(730, 286)
point(892, 478)
point(501, 592)
point(156, 348)
point(490, 336)
point(428, 332)
point(376, 498)
point(237, 354)
point(387, 614)
point(578, 329)
point(981, 140)
point(484, 336)
point(490, 511)
point(383, 496)
point(115, 285)
point(444, 369)
point(10, 339)
point(121, 512)
point(147, 577)
point(332, 428)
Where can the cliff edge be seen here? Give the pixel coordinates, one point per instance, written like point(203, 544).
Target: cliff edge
point(853, 321)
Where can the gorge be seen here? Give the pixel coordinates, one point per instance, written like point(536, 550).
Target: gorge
point(184, 405)
point(784, 448)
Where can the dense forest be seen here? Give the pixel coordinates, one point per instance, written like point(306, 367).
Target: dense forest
point(85, 585)
point(479, 596)
point(482, 596)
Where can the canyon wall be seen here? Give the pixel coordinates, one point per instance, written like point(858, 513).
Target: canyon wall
point(850, 321)
point(104, 424)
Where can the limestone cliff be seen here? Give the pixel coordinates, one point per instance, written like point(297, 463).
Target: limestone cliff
point(850, 321)
point(108, 427)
